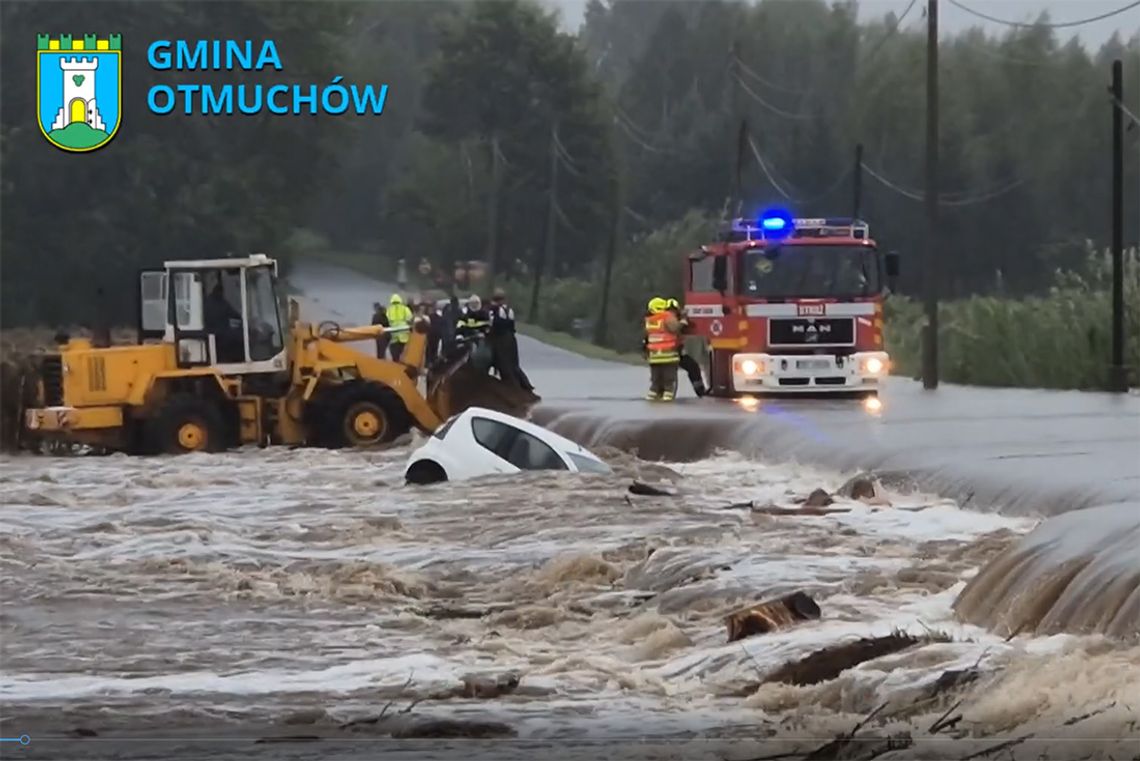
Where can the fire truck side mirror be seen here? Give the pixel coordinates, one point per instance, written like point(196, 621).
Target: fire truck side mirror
point(720, 274)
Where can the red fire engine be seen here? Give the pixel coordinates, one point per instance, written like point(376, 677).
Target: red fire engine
point(791, 306)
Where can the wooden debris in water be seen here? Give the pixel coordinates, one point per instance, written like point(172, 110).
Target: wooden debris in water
point(648, 490)
point(771, 615)
point(828, 663)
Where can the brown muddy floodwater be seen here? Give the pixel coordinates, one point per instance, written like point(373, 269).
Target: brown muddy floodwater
point(297, 592)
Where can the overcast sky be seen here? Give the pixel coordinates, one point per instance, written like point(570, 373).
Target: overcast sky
point(953, 19)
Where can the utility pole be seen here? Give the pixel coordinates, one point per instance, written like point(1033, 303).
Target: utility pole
point(857, 182)
point(1118, 377)
point(551, 221)
point(930, 336)
point(735, 134)
point(493, 212)
point(611, 254)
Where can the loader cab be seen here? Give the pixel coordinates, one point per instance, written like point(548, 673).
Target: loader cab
point(220, 313)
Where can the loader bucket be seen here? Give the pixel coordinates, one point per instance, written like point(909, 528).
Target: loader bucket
point(466, 384)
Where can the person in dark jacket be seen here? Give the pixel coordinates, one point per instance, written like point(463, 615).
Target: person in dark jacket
point(452, 313)
point(380, 317)
point(475, 320)
point(504, 342)
point(225, 323)
point(691, 367)
point(428, 312)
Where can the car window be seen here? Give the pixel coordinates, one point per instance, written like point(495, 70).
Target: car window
point(588, 464)
point(493, 435)
point(528, 453)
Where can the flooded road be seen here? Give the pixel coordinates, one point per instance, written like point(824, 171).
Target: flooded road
point(294, 592)
point(195, 607)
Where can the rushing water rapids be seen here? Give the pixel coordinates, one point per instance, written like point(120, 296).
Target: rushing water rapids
point(296, 591)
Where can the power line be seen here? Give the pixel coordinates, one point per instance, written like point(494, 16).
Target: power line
point(830, 188)
point(565, 220)
point(982, 197)
point(564, 157)
point(639, 217)
point(621, 112)
point(1124, 109)
point(766, 104)
point(779, 88)
point(633, 136)
point(943, 200)
point(888, 34)
point(495, 147)
point(1061, 25)
point(984, 50)
point(767, 172)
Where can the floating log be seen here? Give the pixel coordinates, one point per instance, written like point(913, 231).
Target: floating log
point(771, 615)
point(647, 490)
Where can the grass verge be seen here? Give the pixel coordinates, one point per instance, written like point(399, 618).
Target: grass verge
point(578, 345)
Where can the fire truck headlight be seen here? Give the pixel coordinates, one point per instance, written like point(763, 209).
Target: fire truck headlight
point(873, 366)
point(749, 367)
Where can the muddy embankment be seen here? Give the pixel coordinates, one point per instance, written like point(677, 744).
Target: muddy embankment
point(1078, 572)
point(18, 350)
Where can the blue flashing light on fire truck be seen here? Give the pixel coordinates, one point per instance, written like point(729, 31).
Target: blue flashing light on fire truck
point(792, 305)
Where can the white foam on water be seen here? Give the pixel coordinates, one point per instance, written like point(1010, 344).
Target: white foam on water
point(276, 579)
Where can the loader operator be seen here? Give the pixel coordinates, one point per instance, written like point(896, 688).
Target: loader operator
point(399, 319)
point(225, 323)
point(662, 350)
point(687, 363)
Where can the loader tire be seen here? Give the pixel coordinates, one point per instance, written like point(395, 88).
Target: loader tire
point(187, 424)
point(363, 414)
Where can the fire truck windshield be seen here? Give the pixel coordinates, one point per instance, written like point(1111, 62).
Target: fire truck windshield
point(811, 271)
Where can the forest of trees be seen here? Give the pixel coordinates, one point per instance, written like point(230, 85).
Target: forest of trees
point(633, 123)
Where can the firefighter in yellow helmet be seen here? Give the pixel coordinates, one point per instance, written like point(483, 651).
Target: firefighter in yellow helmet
point(662, 349)
point(691, 367)
point(400, 323)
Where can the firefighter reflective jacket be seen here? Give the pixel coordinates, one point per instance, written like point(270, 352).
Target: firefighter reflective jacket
point(399, 316)
point(662, 345)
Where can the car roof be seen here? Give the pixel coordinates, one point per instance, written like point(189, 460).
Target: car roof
point(534, 429)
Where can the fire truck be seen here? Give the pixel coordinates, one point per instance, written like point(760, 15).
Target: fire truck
point(787, 305)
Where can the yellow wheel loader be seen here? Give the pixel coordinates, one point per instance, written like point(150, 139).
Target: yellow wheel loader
point(214, 368)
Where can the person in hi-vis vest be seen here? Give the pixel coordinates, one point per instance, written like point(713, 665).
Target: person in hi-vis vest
point(662, 350)
point(400, 323)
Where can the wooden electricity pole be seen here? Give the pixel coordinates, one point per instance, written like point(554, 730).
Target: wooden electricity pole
point(600, 327)
point(1118, 378)
point(930, 335)
point(551, 221)
point(493, 212)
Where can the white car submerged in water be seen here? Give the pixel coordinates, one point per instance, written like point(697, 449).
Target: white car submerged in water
point(482, 442)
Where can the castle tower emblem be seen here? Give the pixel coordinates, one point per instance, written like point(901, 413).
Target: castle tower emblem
point(79, 90)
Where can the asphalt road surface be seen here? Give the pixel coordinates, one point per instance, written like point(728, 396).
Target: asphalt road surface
point(1021, 451)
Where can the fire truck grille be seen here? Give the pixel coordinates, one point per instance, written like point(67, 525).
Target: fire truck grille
point(812, 332)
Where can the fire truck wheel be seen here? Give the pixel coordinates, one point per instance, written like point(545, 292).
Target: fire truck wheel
point(187, 424)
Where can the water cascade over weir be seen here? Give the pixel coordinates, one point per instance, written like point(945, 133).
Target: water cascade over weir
point(1078, 572)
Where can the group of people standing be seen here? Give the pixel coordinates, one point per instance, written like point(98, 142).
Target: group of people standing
point(666, 325)
point(453, 330)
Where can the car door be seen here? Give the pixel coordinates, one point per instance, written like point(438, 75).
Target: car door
point(528, 452)
point(494, 439)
